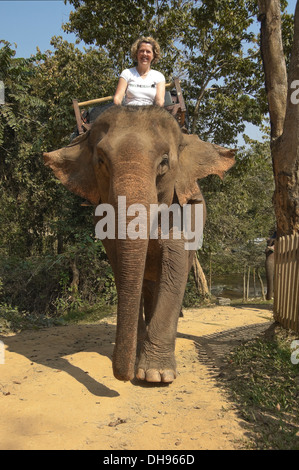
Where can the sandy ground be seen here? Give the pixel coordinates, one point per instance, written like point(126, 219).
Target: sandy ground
point(57, 390)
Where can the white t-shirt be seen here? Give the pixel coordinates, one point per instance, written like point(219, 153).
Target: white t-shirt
point(141, 91)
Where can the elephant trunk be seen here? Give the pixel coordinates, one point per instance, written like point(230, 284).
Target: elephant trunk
point(129, 283)
point(131, 257)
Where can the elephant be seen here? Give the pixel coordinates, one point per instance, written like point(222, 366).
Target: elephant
point(140, 153)
point(269, 266)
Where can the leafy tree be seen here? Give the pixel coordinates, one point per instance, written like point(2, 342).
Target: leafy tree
point(223, 72)
point(240, 210)
point(116, 25)
point(63, 75)
point(38, 116)
point(20, 169)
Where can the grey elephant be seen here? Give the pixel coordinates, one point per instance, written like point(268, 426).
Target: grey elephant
point(140, 155)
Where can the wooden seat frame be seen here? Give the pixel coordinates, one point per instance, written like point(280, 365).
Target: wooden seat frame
point(178, 109)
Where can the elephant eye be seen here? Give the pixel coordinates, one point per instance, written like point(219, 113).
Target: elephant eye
point(164, 165)
point(100, 156)
point(165, 159)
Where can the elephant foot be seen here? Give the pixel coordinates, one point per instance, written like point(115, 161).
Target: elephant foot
point(156, 367)
point(155, 375)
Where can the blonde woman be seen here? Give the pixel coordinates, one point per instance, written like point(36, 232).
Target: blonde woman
point(141, 85)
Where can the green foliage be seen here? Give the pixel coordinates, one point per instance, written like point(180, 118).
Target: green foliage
point(21, 169)
point(226, 87)
point(239, 211)
point(43, 284)
point(116, 25)
point(192, 298)
point(63, 75)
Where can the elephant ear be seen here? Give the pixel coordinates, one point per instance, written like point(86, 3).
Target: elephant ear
point(197, 160)
point(73, 166)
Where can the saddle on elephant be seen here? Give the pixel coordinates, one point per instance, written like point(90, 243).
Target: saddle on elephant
point(174, 104)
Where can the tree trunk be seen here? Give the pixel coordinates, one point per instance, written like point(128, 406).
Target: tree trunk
point(262, 285)
point(200, 279)
point(75, 280)
point(284, 114)
point(254, 285)
point(248, 283)
point(244, 284)
point(210, 273)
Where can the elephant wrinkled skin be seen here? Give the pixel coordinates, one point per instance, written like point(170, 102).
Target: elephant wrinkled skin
point(141, 153)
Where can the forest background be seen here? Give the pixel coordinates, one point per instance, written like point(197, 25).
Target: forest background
point(50, 262)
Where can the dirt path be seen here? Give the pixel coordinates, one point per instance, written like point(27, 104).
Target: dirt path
point(57, 390)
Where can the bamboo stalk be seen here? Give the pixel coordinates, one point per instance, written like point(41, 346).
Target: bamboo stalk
point(110, 98)
point(95, 101)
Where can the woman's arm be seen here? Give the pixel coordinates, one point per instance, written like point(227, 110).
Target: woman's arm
point(120, 91)
point(160, 94)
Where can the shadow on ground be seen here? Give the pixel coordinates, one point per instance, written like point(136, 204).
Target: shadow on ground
point(266, 429)
point(212, 349)
point(49, 347)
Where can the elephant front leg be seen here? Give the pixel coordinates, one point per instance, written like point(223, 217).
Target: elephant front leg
point(157, 359)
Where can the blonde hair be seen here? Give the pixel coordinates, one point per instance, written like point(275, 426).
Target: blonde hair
point(148, 40)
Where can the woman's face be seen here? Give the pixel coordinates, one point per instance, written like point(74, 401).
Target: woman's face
point(145, 54)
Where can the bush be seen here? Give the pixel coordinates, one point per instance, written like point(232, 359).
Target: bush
point(44, 284)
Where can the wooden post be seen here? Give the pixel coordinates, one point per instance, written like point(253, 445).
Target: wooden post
point(78, 116)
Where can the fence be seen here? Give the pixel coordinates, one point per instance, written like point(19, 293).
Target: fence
point(286, 282)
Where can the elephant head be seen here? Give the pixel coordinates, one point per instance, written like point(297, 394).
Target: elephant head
point(140, 153)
